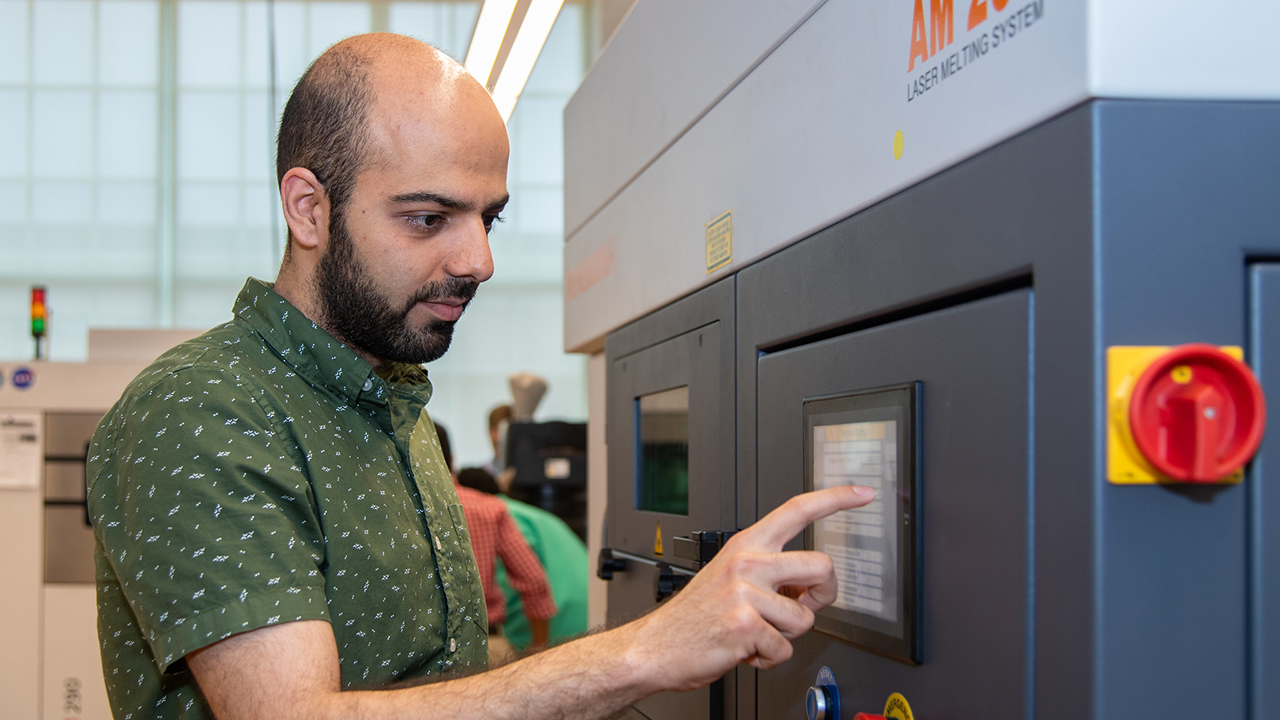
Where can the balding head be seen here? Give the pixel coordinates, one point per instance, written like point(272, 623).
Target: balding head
point(346, 110)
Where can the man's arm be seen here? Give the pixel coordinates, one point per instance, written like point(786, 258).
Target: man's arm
point(731, 612)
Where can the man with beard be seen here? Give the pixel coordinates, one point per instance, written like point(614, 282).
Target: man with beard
point(277, 533)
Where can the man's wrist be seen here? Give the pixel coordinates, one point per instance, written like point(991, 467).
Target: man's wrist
point(637, 670)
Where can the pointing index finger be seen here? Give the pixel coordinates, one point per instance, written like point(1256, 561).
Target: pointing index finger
point(775, 529)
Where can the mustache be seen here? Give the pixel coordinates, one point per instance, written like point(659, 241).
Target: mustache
point(451, 288)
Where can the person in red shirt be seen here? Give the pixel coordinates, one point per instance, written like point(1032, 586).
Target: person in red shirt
point(494, 534)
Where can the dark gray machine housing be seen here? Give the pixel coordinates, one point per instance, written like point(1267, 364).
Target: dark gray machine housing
point(1044, 591)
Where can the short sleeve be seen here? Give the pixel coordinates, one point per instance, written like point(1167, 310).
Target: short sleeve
point(203, 515)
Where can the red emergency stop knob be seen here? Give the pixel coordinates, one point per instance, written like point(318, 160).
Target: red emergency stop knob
point(1197, 413)
point(868, 716)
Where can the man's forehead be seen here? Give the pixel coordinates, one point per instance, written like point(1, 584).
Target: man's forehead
point(443, 122)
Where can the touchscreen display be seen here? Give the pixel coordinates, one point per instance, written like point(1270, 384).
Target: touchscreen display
point(862, 543)
point(869, 438)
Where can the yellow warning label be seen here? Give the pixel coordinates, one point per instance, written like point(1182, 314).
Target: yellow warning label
point(657, 540)
point(896, 708)
point(719, 242)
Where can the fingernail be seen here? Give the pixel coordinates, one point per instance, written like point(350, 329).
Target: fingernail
point(864, 491)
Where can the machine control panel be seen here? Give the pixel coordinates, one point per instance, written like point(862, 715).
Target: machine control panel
point(869, 438)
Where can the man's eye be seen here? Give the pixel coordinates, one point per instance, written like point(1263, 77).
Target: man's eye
point(489, 220)
point(425, 221)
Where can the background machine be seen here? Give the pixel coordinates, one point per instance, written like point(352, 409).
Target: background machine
point(1015, 264)
point(49, 657)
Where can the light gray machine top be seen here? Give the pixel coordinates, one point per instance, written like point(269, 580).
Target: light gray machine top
point(793, 115)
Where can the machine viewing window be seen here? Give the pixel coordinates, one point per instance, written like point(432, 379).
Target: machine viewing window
point(662, 451)
point(868, 438)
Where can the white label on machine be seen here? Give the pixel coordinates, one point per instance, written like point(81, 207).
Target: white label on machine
point(864, 553)
point(20, 451)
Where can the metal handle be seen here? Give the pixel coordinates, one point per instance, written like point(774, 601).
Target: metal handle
point(608, 564)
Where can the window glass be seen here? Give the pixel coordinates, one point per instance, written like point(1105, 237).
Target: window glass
point(662, 451)
point(13, 211)
point(209, 125)
point(64, 42)
point(62, 137)
point(209, 46)
point(13, 133)
point(329, 22)
point(14, 52)
point(62, 202)
point(128, 37)
point(127, 129)
point(130, 204)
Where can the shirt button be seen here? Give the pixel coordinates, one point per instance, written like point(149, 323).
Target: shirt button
point(453, 645)
point(368, 384)
point(437, 539)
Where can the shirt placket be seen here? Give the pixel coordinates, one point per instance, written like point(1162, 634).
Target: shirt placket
point(466, 643)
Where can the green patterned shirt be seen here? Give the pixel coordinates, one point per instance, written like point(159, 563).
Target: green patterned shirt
point(261, 474)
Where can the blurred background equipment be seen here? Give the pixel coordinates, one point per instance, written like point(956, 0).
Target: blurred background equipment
point(48, 612)
point(550, 464)
point(546, 463)
point(527, 390)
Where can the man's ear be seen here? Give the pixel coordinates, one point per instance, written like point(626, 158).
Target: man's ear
point(306, 208)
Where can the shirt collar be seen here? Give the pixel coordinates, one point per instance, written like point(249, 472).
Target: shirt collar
point(315, 354)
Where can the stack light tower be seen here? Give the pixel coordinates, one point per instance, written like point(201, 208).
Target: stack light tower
point(39, 320)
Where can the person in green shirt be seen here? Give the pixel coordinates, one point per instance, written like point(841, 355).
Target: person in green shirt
point(562, 554)
point(565, 558)
point(276, 533)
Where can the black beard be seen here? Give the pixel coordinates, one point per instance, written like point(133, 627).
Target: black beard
point(357, 314)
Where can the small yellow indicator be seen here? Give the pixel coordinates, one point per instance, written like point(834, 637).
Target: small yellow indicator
point(897, 145)
point(657, 540)
point(896, 708)
point(1181, 374)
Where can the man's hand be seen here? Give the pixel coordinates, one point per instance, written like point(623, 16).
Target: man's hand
point(748, 603)
point(745, 606)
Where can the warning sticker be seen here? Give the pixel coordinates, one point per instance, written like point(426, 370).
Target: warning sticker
point(896, 708)
point(720, 242)
point(657, 540)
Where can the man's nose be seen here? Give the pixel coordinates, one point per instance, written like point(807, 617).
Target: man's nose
point(471, 257)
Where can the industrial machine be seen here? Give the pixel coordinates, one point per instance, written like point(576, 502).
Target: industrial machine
point(1015, 265)
point(49, 656)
